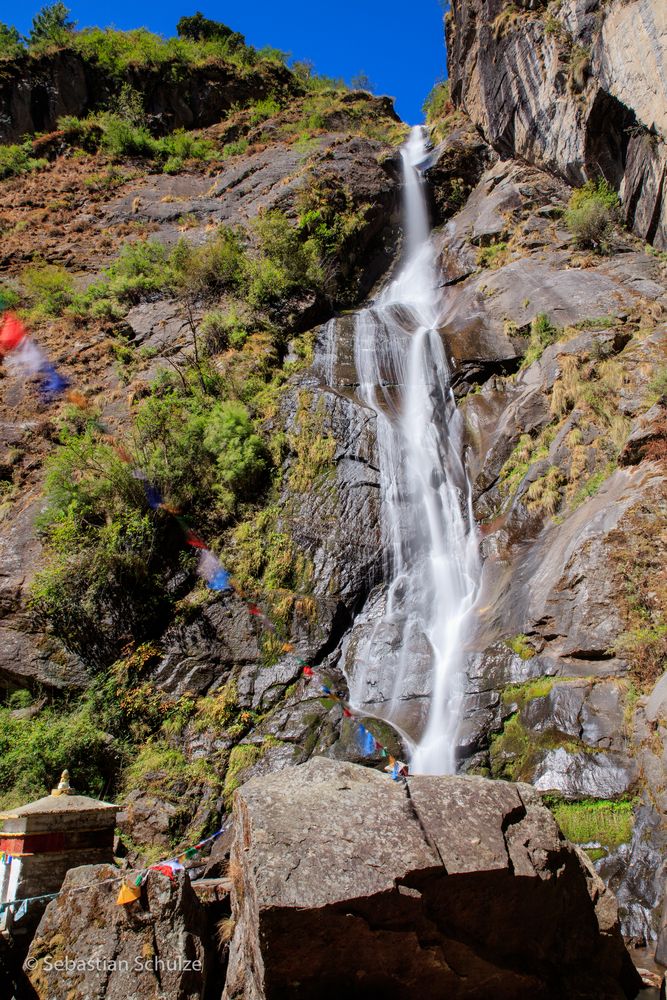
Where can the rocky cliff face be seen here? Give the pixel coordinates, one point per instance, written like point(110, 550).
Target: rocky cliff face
point(577, 88)
point(36, 92)
point(177, 696)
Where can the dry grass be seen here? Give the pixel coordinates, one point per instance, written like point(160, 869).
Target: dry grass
point(224, 931)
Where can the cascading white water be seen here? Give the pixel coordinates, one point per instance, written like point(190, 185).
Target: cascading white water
point(428, 529)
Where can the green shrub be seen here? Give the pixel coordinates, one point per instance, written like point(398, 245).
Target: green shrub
point(492, 256)
point(221, 330)
point(16, 160)
point(99, 588)
point(242, 757)
point(215, 267)
point(185, 146)
point(9, 298)
point(142, 267)
point(237, 148)
point(592, 213)
point(50, 288)
point(202, 29)
point(241, 456)
point(657, 386)
point(121, 138)
point(436, 103)
point(116, 51)
point(286, 262)
point(173, 165)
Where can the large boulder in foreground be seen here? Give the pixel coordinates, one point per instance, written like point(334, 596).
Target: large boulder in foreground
point(347, 884)
point(88, 946)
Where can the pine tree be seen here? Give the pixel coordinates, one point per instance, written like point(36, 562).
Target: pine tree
point(51, 25)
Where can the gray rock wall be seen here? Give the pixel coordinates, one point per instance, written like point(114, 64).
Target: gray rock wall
point(580, 92)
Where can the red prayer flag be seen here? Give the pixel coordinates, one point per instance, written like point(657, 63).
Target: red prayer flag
point(254, 610)
point(194, 540)
point(164, 870)
point(308, 671)
point(12, 333)
point(347, 713)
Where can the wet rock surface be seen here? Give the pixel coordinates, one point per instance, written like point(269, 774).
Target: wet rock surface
point(438, 897)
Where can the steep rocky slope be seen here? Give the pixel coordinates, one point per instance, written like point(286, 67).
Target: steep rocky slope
point(242, 250)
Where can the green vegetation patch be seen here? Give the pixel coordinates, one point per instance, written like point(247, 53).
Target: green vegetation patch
point(18, 159)
point(242, 757)
point(590, 821)
point(521, 645)
point(520, 694)
point(514, 752)
point(542, 333)
point(592, 214)
point(34, 751)
point(493, 256)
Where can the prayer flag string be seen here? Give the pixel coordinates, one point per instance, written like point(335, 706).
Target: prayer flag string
point(167, 868)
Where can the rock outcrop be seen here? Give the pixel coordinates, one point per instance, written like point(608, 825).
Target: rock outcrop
point(87, 945)
point(35, 91)
point(449, 886)
point(579, 90)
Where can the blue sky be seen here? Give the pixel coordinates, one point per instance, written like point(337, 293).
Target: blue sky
point(399, 46)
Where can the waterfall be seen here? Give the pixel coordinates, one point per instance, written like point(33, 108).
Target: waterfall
point(429, 538)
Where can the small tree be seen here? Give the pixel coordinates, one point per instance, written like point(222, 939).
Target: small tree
point(203, 29)
point(11, 43)
point(362, 82)
point(51, 25)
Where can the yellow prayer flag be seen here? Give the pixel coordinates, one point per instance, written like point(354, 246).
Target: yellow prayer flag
point(128, 894)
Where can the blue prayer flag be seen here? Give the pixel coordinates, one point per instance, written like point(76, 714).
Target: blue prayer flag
point(220, 580)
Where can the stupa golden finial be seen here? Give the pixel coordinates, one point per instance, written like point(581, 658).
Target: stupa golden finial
point(64, 787)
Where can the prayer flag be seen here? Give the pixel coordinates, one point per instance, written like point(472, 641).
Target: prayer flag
point(53, 384)
point(12, 333)
point(347, 713)
point(128, 894)
point(153, 496)
point(308, 672)
point(287, 647)
point(220, 581)
point(194, 540)
point(27, 359)
point(168, 868)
